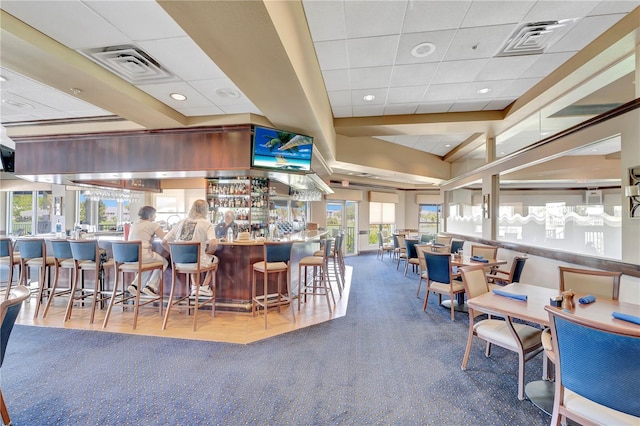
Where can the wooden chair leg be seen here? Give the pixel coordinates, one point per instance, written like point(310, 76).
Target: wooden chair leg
point(6, 420)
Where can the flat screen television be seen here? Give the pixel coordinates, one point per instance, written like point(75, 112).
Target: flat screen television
point(281, 150)
point(8, 157)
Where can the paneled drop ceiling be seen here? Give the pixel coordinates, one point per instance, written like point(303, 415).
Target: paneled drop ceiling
point(429, 80)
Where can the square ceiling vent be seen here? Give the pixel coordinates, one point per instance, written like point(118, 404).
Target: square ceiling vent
point(534, 37)
point(131, 63)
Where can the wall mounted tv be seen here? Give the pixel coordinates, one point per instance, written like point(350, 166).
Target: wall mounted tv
point(8, 157)
point(281, 150)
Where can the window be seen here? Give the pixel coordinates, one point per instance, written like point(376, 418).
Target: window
point(429, 219)
point(382, 217)
point(106, 214)
point(30, 212)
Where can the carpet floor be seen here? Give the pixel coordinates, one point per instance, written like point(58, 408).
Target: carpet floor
point(385, 363)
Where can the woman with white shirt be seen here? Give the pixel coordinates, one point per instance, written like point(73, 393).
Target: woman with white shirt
point(145, 230)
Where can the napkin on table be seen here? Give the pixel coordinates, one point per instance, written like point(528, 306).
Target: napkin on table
point(587, 299)
point(514, 296)
point(479, 259)
point(626, 317)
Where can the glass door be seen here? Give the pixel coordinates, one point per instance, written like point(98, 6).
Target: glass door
point(343, 215)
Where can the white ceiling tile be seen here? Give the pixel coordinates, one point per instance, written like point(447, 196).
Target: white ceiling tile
point(336, 79)
point(332, 55)
point(374, 18)
point(340, 98)
point(478, 42)
point(162, 92)
point(560, 9)
point(211, 90)
point(498, 104)
point(72, 23)
point(506, 68)
point(441, 40)
point(243, 108)
point(496, 89)
point(200, 111)
point(368, 110)
point(458, 71)
point(583, 33)
point(401, 109)
point(412, 75)
point(483, 13)
point(357, 96)
point(444, 92)
point(433, 107)
point(372, 52)
point(342, 111)
point(434, 15)
point(461, 106)
point(546, 62)
point(191, 64)
point(518, 87)
point(406, 140)
point(398, 95)
point(374, 77)
point(325, 19)
point(614, 6)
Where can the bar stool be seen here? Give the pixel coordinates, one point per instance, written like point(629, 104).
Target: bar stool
point(10, 259)
point(127, 257)
point(87, 257)
point(276, 257)
point(185, 259)
point(63, 259)
point(320, 285)
point(336, 261)
point(33, 254)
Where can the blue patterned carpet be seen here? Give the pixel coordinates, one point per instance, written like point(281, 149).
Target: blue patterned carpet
point(386, 362)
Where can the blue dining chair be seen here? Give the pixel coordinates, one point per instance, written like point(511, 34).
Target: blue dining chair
point(440, 279)
point(33, 254)
point(597, 372)
point(9, 310)
point(63, 259)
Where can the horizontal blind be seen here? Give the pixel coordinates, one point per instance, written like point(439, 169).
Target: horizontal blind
point(382, 213)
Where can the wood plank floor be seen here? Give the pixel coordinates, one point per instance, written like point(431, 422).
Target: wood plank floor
point(228, 327)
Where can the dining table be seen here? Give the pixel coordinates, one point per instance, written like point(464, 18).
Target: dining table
point(462, 260)
point(541, 392)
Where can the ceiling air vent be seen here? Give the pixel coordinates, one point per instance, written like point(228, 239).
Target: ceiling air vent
point(131, 63)
point(534, 37)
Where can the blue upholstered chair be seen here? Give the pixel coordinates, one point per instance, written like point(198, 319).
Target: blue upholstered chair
point(597, 372)
point(502, 277)
point(127, 257)
point(276, 257)
point(412, 255)
point(9, 310)
point(33, 254)
point(440, 279)
point(456, 245)
point(63, 259)
point(185, 259)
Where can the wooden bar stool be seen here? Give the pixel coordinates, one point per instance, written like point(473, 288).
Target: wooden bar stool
point(10, 259)
point(276, 261)
point(336, 272)
point(127, 257)
point(185, 259)
point(33, 254)
point(63, 259)
point(320, 285)
point(86, 258)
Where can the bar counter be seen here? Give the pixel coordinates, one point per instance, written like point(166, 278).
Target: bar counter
point(234, 275)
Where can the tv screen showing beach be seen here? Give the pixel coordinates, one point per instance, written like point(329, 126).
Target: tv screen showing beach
point(276, 149)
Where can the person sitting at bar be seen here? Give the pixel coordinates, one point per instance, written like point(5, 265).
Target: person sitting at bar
point(196, 227)
point(145, 230)
point(222, 228)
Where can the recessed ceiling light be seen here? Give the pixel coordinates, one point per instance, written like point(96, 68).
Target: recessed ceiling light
point(484, 90)
point(2, 78)
point(502, 152)
point(423, 50)
point(447, 145)
point(75, 91)
point(594, 150)
point(228, 93)
point(17, 104)
point(178, 97)
point(368, 98)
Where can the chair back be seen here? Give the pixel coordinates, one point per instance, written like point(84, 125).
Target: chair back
point(32, 248)
point(396, 244)
point(411, 248)
point(456, 245)
point(438, 267)
point(281, 252)
point(598, 283)
point(185, 251)
point(9, 310)
point(401, 239)
point(442, 239)
point(517, 267)
point(127, 251)
point(6, 247)
point(61, 249)
point(420, 250)
point(425, 238)
point(380, 240)
point(338, 244)
point(595, 361)
point(84, 250)
point(474, 280)
point(487, 252)
point(327, 248)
